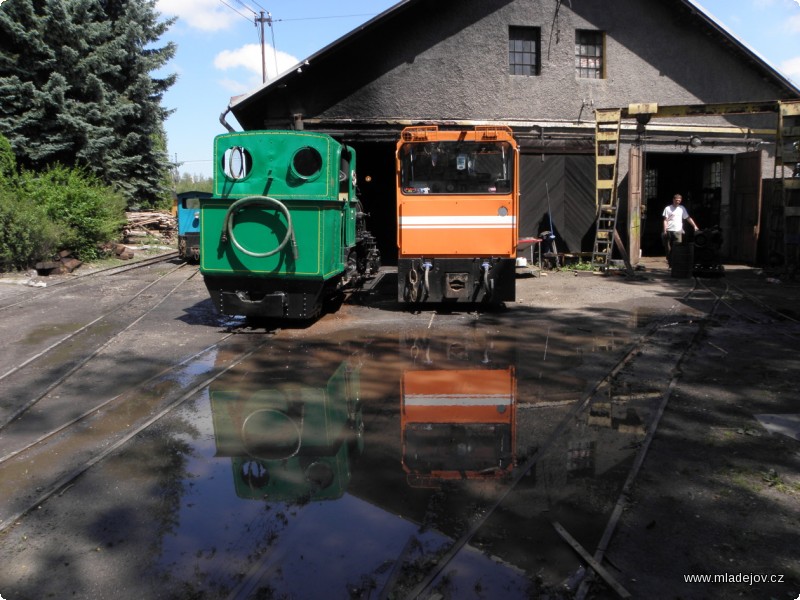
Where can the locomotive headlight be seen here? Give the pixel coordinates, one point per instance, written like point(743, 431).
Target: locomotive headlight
point(502, 211)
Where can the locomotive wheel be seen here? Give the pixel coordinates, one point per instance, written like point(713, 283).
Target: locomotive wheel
point(267, 202)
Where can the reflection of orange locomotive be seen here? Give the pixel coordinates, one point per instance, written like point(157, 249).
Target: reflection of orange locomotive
point(458, 424)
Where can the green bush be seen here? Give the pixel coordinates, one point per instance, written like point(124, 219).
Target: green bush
point(27, 235)
point(86, 211)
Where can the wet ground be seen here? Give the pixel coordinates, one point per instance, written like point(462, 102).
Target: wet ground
point(377, 453)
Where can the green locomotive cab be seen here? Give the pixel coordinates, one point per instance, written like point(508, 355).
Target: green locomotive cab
point(284, 229)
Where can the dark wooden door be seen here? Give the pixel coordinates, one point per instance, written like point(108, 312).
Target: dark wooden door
point(745, 207)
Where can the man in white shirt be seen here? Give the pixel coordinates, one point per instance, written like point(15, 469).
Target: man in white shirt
point(674, 216)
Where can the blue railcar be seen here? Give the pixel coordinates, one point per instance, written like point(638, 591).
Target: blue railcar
point(188, 216)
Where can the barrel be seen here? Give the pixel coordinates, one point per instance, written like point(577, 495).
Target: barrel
point(682, 261)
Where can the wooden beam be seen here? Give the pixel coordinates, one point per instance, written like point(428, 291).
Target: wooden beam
point(598, 568)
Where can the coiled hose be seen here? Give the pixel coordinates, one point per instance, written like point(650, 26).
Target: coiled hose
point(268, 202)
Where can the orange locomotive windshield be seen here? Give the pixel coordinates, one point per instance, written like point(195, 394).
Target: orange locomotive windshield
point(457, 192)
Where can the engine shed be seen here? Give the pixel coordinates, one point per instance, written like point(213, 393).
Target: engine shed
point(543, 68)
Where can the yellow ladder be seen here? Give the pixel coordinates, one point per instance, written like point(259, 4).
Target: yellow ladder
point(606, 157)
point(787, 183)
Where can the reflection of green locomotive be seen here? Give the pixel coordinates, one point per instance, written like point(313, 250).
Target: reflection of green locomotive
point(284, 229)
point(290, 442)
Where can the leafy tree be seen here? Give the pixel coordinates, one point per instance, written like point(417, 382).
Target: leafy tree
point(76, 89)
point(194, 183)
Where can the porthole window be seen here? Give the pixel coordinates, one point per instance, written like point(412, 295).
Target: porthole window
point(307, 163)
point(237, 163)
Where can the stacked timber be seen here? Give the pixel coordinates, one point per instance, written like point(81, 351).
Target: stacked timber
point(148, 225)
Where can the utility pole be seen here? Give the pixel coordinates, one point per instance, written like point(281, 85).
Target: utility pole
point(268, 20)
point(262, 19)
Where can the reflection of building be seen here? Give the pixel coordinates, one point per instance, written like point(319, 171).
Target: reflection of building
point(616, 415)
point(292, 441)
point(458, 424)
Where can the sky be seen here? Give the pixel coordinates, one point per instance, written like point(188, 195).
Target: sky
point(219, 52)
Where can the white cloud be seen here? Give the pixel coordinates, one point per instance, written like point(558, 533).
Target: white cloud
point(248, 57)
point(207, 15)
point(791, 68)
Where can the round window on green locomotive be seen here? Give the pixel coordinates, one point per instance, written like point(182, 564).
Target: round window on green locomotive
point(237, 163)
point(307, 163)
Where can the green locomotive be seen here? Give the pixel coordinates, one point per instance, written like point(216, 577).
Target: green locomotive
point(284, 230)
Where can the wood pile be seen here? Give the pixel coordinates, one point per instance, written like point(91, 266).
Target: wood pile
point(155, 228)
point(62, 263)
point(150, 224)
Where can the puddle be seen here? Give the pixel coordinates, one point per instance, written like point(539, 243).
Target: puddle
point(345, 467)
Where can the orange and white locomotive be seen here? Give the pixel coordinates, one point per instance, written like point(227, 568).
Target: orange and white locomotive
point(457, 210)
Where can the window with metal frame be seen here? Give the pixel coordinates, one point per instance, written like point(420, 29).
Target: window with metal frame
point(524, 44)
point(712, 175)
point(589, 54)
point(650, 184)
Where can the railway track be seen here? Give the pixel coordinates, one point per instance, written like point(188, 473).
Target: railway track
point(113, 309)
point(34, 471)
point(82, 343)
point(65, 405)
point(725, 305)
point(27, 294)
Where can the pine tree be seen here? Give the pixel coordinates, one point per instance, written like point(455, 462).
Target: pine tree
point(76, 89)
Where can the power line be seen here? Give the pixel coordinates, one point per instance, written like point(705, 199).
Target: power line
point(259, 6)
point(245, 6)
point(290, 19)
point(261, 19)
point(235, 10)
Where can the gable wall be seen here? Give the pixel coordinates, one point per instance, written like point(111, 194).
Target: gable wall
point(448, 59)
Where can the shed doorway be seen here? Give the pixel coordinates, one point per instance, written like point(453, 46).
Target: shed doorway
point(375, 166)
point(719, 190)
